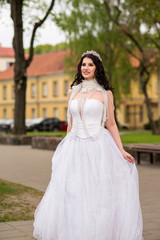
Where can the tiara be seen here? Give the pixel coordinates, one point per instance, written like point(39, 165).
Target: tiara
point(93, 53)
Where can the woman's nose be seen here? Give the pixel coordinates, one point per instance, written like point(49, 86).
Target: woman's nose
point(86, 67)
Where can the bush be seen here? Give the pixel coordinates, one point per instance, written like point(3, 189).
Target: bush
point(147, 125)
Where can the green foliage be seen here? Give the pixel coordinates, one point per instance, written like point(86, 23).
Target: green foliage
point(39, 49)
point(148, 11)
point(87, 26)
point(147, 125)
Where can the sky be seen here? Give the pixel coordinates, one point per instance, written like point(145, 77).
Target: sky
point(48, 34)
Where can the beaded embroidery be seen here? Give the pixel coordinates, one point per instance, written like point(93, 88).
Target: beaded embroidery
point(83, 87)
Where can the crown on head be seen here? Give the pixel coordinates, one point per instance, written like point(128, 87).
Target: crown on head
point(93, 53)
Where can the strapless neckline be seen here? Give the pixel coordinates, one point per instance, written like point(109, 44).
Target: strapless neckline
point(88, 99)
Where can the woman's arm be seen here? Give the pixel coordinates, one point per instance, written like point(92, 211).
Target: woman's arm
point(69, 127)
point(113, 129)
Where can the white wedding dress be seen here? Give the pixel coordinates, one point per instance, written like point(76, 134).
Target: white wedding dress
point(93, 193)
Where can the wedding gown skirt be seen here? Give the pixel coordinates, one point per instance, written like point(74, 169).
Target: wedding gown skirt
point(93, 193)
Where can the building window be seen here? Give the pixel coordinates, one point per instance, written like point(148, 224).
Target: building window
point(140, 88)
point(127, 115)
point(33, 113)
point(157, 84)
point(65, 113)
point(33, 90)
point(13, 92)
point(44, 112)
point(66, 87)
point(141, 113)
point(4, 92)
point(55, 112)
point(44, 89)
point(13, 113)
point(55, 88)
point(5, 113)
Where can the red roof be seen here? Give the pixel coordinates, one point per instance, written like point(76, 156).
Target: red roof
point(6, 52)
point(42, 64)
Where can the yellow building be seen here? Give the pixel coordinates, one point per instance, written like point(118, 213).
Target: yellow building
point(6, 58)
point(132, 110)
point(47, 88)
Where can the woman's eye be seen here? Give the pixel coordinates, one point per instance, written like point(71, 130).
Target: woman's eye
point(83, 64)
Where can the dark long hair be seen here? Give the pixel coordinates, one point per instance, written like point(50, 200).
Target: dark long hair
point(100, 74)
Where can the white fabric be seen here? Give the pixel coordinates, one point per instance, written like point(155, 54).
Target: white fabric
point(93, 193)
point(85, 87)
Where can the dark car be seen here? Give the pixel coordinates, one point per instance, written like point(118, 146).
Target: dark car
point(5, 125)
point(47, 124)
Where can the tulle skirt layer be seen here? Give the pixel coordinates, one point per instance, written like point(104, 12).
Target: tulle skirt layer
point(93, 193)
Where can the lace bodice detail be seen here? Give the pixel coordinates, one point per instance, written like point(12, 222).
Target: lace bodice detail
point(88, 107)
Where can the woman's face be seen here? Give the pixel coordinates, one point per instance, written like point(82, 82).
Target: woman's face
point(88, 68)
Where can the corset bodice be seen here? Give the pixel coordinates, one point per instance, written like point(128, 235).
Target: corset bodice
point(92, 115)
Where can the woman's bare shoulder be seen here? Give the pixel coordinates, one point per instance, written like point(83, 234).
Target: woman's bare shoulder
point(70, 90)
point(110, 93)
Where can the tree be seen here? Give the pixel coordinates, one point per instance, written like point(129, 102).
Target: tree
point(21, 63)
point(142, 46)
point(45, 48)
point(87, 27)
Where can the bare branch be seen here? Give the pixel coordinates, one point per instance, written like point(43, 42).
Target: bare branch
point(123, 28)
point(154, 41)
point(36, 26)
point(158, 30)
point(118, 14)
point(131, 53)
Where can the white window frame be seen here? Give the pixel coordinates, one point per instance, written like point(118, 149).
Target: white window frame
point(44, 112)
point(33, 90)
point(4, 92)
point(33, 110)
point(13, 92)
point(66, 87)
point(55, 112)
point(55, 88)
point(5, 113)
point(44, 86)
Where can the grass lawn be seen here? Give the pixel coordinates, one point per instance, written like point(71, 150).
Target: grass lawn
point(17, 202)
point(63, 134)
point(140, 137)
point(128, 137)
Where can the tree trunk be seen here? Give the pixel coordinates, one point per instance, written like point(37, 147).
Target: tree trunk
point(144, 78)
point(158, 73)
point(21, 64)
point(20, 76)
point(20, 102)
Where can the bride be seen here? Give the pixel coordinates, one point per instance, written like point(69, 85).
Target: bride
point(93, 193)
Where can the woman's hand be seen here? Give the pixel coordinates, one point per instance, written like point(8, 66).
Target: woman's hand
point(127, 156)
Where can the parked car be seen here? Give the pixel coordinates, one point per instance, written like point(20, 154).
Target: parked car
point(5, 124)
point(64, 126)
point(28, 122)
point(2, 121)
point(47, 124)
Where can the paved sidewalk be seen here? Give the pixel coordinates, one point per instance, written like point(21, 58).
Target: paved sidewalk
point(27, 166)
point(21, 230)
point(32, 167)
